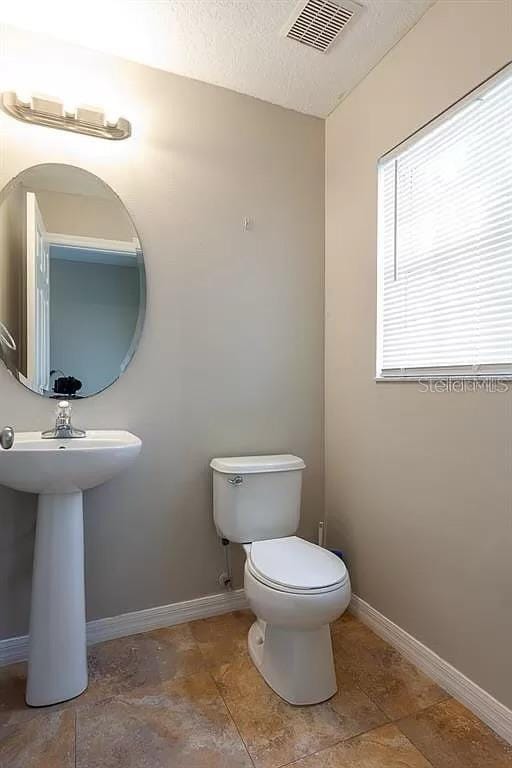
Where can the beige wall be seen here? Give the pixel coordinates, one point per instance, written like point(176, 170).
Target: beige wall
point(231, 358)
point(419, 489)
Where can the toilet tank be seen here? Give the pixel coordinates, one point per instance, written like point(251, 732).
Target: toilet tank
point(257, 497)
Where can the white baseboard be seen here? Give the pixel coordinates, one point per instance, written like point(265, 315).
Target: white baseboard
point(496, 715)
point(15, 649)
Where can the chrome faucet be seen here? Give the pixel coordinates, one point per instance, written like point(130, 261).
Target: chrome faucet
point(7, 437)
point(63, 430)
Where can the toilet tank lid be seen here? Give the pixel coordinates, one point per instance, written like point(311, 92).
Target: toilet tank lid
point(251, 465)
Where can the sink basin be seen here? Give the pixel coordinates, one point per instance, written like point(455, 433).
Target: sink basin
point(59, 471)
point(64, 466)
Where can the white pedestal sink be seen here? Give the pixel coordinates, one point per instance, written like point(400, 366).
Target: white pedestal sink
point(59, 471)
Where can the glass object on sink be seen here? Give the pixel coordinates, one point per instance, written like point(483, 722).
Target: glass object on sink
point(72, 282)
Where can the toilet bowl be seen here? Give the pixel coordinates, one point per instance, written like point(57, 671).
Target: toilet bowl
point(295, 588)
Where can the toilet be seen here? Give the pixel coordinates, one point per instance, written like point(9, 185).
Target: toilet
point(294, 588)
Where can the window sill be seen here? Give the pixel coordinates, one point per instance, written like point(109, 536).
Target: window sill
point(445, 377)
point(453, 382)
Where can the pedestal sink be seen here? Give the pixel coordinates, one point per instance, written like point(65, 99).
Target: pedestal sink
point(59, 471)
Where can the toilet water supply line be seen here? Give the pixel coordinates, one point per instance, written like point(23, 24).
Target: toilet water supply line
point(321, 533)
point(225, 578)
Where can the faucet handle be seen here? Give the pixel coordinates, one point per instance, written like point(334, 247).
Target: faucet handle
point(7, 438)
point(63, 412)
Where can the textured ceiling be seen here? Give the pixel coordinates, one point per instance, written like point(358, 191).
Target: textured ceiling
point(237, 44)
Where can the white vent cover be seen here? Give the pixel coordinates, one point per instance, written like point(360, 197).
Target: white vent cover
point(319, 22)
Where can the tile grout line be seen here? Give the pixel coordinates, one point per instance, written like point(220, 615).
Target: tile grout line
point(424, 709)
point(75, 721)
point(421, 711)
point(232, 719)
point(230, 715)
point(370, 698)
point(395, 720)
point(353, 738)
point(343, 741)
point(419, 750)
point(335, 744)
point(397, 725)
point(390, 719)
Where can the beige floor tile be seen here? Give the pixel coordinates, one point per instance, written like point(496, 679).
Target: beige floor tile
point(115, 666)
point(12, 692)
point(277, 733)
point(383, 748)
point(452, 737)
point(154, 657)
point(43, 742)
point(394, 684)
point(221, 638)
point(152, 703)
point(180, 724)
point(13, 710)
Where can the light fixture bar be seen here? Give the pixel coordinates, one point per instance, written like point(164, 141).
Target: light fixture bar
point(53, 116)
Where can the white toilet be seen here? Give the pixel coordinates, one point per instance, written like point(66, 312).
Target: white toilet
point(295, 588)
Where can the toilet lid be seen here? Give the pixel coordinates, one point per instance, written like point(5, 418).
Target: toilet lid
point(296, 564)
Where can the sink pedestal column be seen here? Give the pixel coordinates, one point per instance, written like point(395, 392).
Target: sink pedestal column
point(57, 665)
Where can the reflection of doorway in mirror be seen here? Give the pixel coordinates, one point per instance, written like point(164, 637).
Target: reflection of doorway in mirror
point(94, 308)
point(38, 297)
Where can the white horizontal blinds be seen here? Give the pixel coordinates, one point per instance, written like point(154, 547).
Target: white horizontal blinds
point(445, 242)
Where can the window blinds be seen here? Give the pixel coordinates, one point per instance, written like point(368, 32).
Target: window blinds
point(445, 242)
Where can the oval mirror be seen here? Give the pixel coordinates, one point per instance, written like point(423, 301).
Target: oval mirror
point(72, 282)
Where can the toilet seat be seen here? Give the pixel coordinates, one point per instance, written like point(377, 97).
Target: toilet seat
point(293, 565)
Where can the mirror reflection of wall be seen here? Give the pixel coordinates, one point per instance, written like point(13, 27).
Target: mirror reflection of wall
point(72, 288)
point(94, 303)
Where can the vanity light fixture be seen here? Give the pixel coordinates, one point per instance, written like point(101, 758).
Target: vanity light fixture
point(44, 111)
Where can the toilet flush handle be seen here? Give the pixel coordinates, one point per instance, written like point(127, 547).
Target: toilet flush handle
point(236, 480)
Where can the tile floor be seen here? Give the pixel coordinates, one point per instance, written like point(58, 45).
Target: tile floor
point(189, 697)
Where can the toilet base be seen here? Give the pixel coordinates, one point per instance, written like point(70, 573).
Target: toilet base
point(297, 664)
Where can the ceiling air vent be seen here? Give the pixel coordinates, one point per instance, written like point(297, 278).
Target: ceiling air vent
point(318, 23)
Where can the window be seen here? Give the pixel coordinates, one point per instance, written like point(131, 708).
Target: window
point(445, 243)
